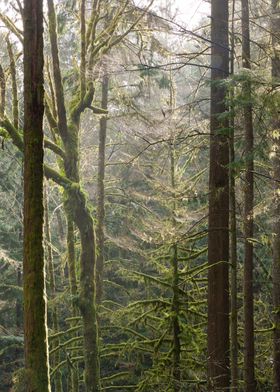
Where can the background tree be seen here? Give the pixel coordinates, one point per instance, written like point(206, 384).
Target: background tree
point(218, 225)
point(275, 27)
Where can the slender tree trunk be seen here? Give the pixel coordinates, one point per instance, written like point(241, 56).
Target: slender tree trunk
point(49, 259)
point(14, 83)
point(249, 374)
point(218, 237)
point(2, 91)
point(176, 368)
point(101, 193)
point(18, 303)
point(233, 230)
point(35, 327)
point(275, 27)
point(60, 226)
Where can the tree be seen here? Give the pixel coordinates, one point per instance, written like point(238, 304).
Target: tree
point(249, 373)
point(35, 333)
point(275, 30)
point(233, 226)
point(100, 191)
point(218, 223)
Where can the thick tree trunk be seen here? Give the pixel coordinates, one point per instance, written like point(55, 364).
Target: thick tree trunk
point(275, 27)
point(233, 230)
point(35, 328)
point(101, 193)
point(218, 237)
point(71, 261)
point(233, 279)
point(249, 373)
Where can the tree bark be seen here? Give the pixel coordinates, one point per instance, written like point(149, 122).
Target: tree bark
point(52, 286)
point(176, 368)
point(101, 193)
point(35, 329)
point(218, 224)
point(71, 260)
point(2, 91)
point(233, 228)
point(249, 350)
point(275, 28)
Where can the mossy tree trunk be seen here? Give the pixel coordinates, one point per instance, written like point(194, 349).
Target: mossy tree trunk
point(35, 328)
point(275, 27)
point(101, 193)
point(65, 126)
point(54, 361)
point(71, 260)
point(76, 203)
point(218, 220)
point(176, 367)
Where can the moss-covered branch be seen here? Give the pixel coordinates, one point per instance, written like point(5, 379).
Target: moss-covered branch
point(54, 148)
point(14, 134)
point(11, 26)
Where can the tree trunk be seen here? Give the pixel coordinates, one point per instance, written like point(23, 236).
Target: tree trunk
point(100, 193)
point(83, 219)
point(249, 373)
point(71, 261)
point(176, 368)
point(2, 91)
point(233, 230)
point(76, 202)
point(275, 27)
point(218, 237)
point(52, 286)
point(35, 328)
